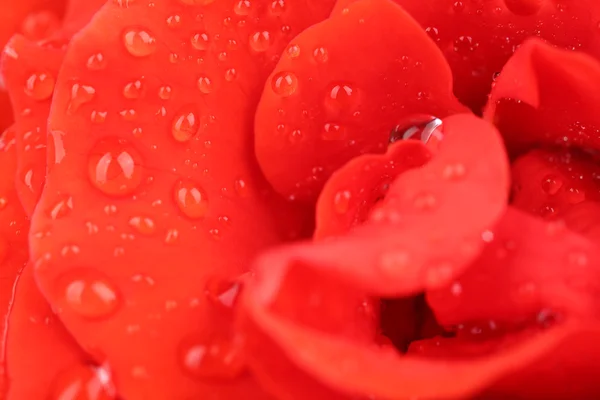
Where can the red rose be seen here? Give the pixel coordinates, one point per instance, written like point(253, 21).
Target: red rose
point(300, 199)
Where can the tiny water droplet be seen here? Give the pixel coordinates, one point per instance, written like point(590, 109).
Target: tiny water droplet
point(205, 355)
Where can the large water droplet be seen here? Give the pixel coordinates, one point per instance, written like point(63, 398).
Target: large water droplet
point(40, 86)
point(115, 167)
point(139, 42)
point(185, 125)
point(89, 293)
point(191, 199)
point(426, 128)
point(284, 83)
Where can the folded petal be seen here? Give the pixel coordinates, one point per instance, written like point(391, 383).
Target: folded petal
point(546, 96)
point(529, 268)
point(341, 88)
point(149, 103)
point(478, 37)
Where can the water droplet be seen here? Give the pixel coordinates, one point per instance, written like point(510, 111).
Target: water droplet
point(89, 293)
point(96, 62)
point(278, 7)
point(191, 199)
point(222, 293)
point(214, 355)
point(80, 95)
point(524, 7)
point(241, 188)
point(321, 55)
point(82, 382)
point(172, 236)
point(426, 128)
point(293, 51)
point(139, 42)
point(465, 45)
point(205, 84)
point(133, 90)
point(124, 3)
point(143, 225)
point(425, 201)
point(200, 41)
point(575, 196)
point(4, 247)
point(551, 184)
point(230, 75)
point(242, 7)
point(394, 263)
point(3, 203)
point(40, 25)
point(454, 171)
point(260, 41)
point(115, 167)
point(40, 86)
point(164, 92)
point(174, 21)
point(284, 84)
point(341, 98)
point(185, 125)
point(333, 132)
point(439, 275)
point(341, 201)
point(62, 207)
point(98, 117)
